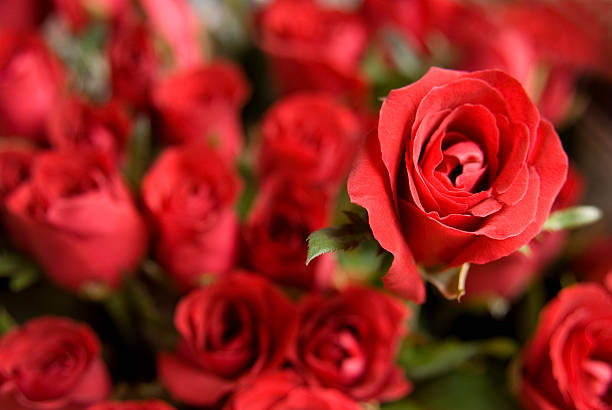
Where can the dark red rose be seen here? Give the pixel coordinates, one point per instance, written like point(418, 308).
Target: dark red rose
point(15, 162)
point(75, 124)
point(30, 75)
point(509, 276)
point(310, 136)
point(284, 214)
point(76, 217)
point(231, 331)
point(176, 24)
point(314, 48)
point(568, 363)
point(51, 363)
point(133, 60)
point(202, 104)
point(22, 14)
point(287, 390)
point(349, 342)
point(463, 170)
point(79, 13)
point(190, 192)
point(132, 405)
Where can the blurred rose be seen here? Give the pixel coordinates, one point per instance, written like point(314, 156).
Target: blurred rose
point(202, 104)
point(30, 78)
point(132, 405)
point(79, 13)
point(51, 363)
point(284, 214)
point(310, 136)
point(594, 263)
point(175, 23)
point(568, 363)
point(76, 217)
point(313, 48)
point(133, 61)
point(287, 390)
point(509, 276)
point(22, 14)
point(190, 192)
point(15, 162)
point(349, 342)
point(75, 124)
point(231, 331)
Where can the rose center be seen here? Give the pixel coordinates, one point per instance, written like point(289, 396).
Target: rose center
point(599, 377)
point(343, 349)
point(462, 166)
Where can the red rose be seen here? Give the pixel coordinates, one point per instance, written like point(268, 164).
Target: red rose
point(349, 342)
point(313, 47)
point(285, 212)
point(132, 405)
point(311, 136)
point(75, 124)
point(203, 104)
point(133, 60)
point(190, 192)
point(31, 75)
point(287, 390)
point(231, 331)
point(51, 363)
point(21, 14)
point(76, 217)
point(509, 276)
point(463, 170)
point(79, 13)
point(175, 22)
point(568, 363)
point(15, 163)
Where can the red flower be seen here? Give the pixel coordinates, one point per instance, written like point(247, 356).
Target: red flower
point(285, 213)
point(202, 104)
point(314, 48)
point(76, 217)
point(51, 363)
point(568, 363)
point(75, 124)
point(286, 390)
point(190, 192)
point(22, 14)
point(311, 136)
point(30, 75)
point(231, 331)
point(349, 342)
point(15, 163)
point(132, 405)
point(463, 170)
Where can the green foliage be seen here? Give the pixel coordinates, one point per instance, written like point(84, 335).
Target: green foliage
point(450, 282)
point(572, 218)
point(6, 321)
point(21, 271)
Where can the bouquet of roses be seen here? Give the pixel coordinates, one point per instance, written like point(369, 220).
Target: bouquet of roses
point(305, 204)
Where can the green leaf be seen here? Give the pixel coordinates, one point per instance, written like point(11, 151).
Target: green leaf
point(525, 250)
point(139, 153)
point(572, 218)
point(450, 282)
point(23, 279)
point(342, 237)
point(6, 321)
point(9, 263)
point(95, 291)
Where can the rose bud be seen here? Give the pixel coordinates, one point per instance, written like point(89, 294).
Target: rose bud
point(349, 342)
point(15, 162)
point(463, 169)
point(286, 390)
point(132, 405)
point(202, 104)
point(190, 192)
point(231, 331)
point(22, 14)
point(275, 234)
point(79, 13)
point(133, 60)
point(31, 75)
point(313, 48)
point(77, 219)
point(51, 363)
point(75, 124)
point(509, 276)
point(310, 136)
point(568, 362)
